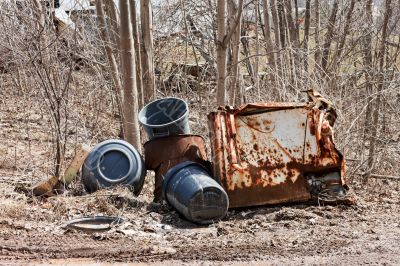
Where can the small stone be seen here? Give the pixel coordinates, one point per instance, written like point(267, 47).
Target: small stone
point(370, 231)
point(149, 229)
point(128, 232)
point(169, 250)
point(287, 225)
point(166, 227)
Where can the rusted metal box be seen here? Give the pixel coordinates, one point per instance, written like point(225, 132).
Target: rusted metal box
point(266, 153)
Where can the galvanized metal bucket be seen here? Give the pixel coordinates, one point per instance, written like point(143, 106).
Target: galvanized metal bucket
point(189, 188)
point(165, 117)
point(113, 162)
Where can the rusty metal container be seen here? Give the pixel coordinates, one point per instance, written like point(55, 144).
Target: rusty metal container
point(161, 154)
point(267, 153)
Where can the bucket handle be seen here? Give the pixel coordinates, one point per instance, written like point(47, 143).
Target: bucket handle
point(160, 132)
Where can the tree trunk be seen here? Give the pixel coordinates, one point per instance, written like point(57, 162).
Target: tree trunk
point(267, 36)
point(235, 44)
point(246, 52)
point(257, 61)
point(112, 11)
point(297, 22)
point(328, 37)
point(110, 55)
point(317, 55)
point(221, 52)
point(277, 40)
point(149, 87)
point(294, 41)
point(375, 119)
point(342, 40)
point(282, 27)
point(275, 21)
point(224, 36)
point(135, 32)
point(306, 33)
point(367, 45)
point(130, 100)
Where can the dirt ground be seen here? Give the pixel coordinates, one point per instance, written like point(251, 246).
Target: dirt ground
point(33, 231)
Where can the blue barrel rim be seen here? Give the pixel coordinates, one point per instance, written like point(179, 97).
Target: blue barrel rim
point(122, 179)
point(172, 171)
point(167, 124)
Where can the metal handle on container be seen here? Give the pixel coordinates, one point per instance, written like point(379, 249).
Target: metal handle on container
point(162, 133)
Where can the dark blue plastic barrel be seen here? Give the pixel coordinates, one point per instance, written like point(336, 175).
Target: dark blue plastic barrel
point(189, 188)
point(113, 162)
point(165, 117)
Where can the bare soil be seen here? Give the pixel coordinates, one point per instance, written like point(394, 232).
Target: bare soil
point(33, 230)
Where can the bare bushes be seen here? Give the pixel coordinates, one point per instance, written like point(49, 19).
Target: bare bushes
point(347, 50)
point(58, 69)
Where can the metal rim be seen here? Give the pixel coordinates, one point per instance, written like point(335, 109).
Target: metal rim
point(167, 124)
point(113, 181)
point(94, 220)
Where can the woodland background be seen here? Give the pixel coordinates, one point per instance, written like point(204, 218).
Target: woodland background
point(81, 75)
point(78, 79)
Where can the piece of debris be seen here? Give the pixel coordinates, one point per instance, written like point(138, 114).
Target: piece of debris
point(76, 164)
point(47, 187)
point(55, 185)
point(180, 162)
point(94, 223)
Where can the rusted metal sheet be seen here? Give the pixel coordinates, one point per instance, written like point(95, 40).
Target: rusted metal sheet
point(264, 153)
point(161, 154)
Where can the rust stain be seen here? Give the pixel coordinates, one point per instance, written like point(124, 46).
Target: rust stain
point(267, 123)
